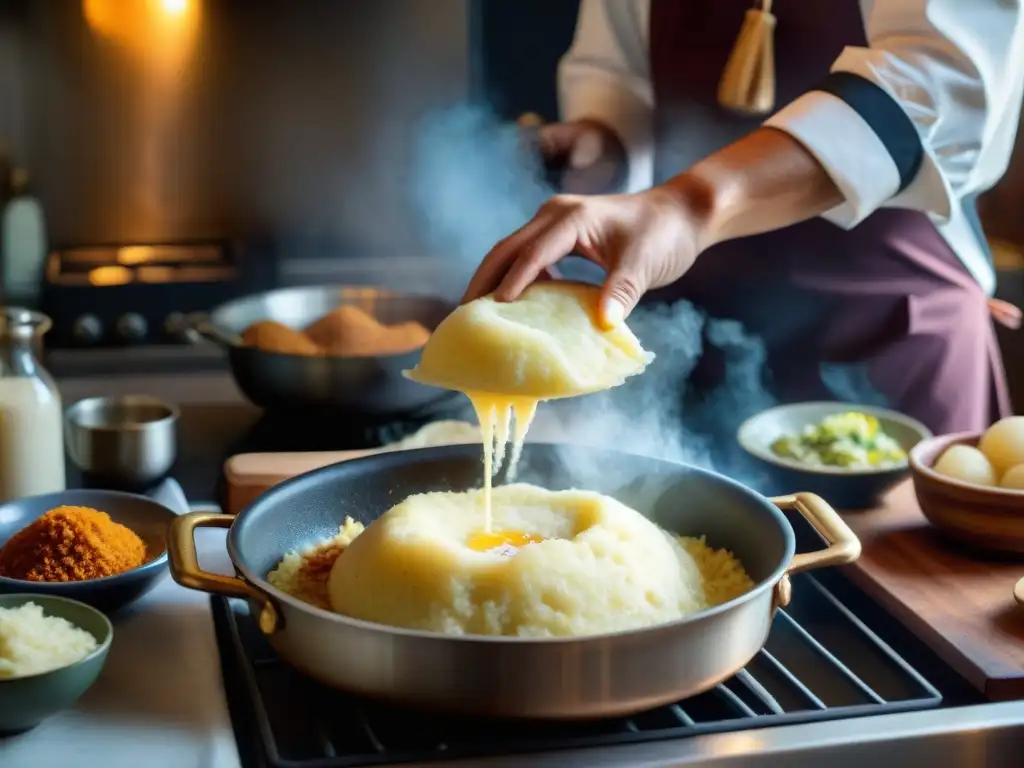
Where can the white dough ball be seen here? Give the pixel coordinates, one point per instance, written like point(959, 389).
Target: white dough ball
point(1003, 443)
point(962, 462)
point(594, 565)
point(545, 344)
point(1013, 479)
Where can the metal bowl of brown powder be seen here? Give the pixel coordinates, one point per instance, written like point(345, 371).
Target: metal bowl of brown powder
point(103, 548)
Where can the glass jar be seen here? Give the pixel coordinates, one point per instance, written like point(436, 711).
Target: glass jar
point(31, 417)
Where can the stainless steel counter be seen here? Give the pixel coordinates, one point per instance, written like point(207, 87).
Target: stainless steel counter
point(967, 737)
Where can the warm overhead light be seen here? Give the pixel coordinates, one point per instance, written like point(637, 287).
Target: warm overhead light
point(175, 6)
point(143, 23)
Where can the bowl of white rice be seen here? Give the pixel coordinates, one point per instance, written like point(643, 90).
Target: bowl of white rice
point(52, 649)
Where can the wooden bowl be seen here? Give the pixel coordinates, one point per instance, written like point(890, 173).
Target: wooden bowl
point(991, 518)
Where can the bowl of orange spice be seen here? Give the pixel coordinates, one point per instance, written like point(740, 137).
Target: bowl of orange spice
point(103, 548)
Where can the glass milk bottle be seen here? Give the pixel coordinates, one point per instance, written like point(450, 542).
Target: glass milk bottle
point(31, 429)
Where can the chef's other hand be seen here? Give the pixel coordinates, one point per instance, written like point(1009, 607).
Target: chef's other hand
point(645, 240)
point(587, 153)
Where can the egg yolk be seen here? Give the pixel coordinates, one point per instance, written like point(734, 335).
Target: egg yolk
point(503, 542)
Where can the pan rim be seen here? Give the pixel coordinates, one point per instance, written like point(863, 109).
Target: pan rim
point(462, 451)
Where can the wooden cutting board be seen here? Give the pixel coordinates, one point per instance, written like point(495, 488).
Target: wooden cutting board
point(960, 604)
point(250, 474)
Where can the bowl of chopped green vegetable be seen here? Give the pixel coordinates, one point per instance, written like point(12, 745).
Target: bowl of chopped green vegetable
point(848, 454)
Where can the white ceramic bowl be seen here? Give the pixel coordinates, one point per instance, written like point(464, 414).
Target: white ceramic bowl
point(844, 488)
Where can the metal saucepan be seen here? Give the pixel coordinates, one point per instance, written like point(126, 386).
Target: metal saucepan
point(563, 678)
point(370, 386)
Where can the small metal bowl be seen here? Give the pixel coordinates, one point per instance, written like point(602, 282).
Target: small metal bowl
point(131, 439)
point(26, 701)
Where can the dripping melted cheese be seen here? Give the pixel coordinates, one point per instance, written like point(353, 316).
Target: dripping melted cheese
point(504, 422)
point(507, 357)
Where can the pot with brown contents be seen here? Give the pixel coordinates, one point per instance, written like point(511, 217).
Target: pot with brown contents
point(338, 348)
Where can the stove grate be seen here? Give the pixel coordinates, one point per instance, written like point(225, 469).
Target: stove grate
point(820, 663)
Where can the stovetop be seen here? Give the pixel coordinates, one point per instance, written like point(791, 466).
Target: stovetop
point(821, 662)
point(833, 655)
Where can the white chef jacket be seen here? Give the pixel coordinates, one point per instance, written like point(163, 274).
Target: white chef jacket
point(955, 67)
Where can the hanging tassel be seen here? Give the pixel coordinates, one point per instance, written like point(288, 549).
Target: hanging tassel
point(748, 83)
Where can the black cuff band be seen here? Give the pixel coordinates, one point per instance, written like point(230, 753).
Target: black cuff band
point(885, 117)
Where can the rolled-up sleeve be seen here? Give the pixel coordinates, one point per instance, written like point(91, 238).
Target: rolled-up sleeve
point(925, 115)
point(605, 76)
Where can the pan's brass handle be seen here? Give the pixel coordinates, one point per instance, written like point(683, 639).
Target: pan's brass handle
point(184, 562)
point(843, 544)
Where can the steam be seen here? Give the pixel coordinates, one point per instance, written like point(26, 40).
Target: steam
point(850, 384)
point(660, 415)
point(473, 184)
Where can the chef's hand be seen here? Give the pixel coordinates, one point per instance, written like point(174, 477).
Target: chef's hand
point(587, 153)
point(764, 181)
point(643, 241)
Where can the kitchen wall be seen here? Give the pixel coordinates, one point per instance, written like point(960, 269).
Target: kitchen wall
point(145, 120)
point(11, 80)
point(504, 29)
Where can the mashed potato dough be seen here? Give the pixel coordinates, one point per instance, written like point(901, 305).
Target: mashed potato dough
point(507, 357)
point(556, 563)
point(544, 345)
point(442, 432)
point(32, 642)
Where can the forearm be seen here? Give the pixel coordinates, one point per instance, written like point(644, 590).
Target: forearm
point(765, 181)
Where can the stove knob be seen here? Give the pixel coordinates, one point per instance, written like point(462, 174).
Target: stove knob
point(87, 329)
point(131, 327)
point(176, 326)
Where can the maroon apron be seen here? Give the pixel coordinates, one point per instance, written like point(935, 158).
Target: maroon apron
point(888, 297)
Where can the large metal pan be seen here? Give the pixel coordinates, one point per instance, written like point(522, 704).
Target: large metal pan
point(564, 678)
point(369, 386)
